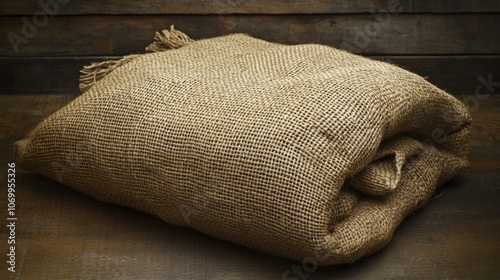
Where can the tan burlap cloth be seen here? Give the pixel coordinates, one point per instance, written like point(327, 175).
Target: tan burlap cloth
point(301, 151)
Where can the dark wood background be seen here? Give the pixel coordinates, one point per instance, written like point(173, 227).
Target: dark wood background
point(452, 42)
point(63, 234)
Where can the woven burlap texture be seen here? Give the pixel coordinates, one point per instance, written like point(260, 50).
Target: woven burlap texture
point(302, 151)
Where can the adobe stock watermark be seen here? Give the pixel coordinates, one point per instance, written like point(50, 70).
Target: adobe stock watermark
point(203, 197)
point(11, 216)
point(198, 203)
point(484, 88)
point(308, 266)
point(381, 20)
point(71, 162)
point(31, 26)
point(222, 5)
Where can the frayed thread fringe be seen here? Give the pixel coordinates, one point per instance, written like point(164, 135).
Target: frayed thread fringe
point(164, 40)
point(92, 73)
point(168, 39)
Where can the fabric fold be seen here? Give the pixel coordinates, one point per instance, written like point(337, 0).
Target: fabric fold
point(379, 216)
point(383, 174)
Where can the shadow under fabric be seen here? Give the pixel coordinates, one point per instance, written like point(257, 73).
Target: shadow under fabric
point(299, 151)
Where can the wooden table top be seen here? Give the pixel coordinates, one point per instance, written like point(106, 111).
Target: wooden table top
point(63, 234)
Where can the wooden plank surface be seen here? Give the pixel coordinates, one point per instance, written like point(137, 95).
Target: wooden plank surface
point(403, 34)
point(455, 74)
point(62, 234)
point(41, 75)
point(79, 7)
point(454, 6)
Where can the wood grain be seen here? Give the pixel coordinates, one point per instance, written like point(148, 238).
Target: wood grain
point(403, 34)
point(38, 75)
point(453, 6)
point(81, 7)
point(63, 234)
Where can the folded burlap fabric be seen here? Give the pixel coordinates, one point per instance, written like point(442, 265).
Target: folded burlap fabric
point(301, 151)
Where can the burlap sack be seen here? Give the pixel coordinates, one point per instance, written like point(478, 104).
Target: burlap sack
point(306, 151)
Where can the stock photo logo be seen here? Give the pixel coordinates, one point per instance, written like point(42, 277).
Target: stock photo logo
point(381, 20)
point(31, 26)
point(482, 92)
